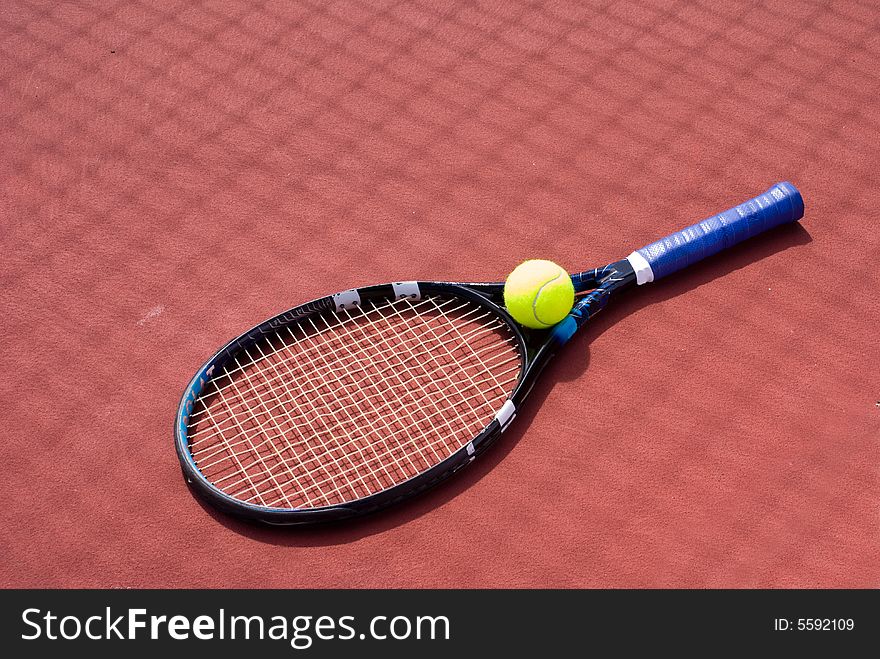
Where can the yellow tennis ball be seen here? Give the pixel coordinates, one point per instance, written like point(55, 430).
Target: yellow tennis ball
point(538, 294)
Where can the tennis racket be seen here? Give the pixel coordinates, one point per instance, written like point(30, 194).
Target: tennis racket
point(355, 401)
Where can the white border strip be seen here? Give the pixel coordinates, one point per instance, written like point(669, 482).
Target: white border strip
point(347, 299)
point(506, 413)
point(642, 268)
point(408, 289)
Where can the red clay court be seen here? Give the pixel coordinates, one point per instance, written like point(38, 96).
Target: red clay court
point(175, 172)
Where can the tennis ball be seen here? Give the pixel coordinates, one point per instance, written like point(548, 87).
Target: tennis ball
point(538, 294)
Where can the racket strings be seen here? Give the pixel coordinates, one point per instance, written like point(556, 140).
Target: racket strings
point(200, 452)
point(341, 406)
point(361, 478)
point(207, 452)
point(319, 371)
point(324, 455)
point(436, 419)
point(230, 373)
point(434, 427)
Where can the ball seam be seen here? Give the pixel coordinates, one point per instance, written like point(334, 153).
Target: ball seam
point(538, 295)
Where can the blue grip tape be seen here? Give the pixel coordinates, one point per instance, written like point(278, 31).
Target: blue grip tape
point(779, 205)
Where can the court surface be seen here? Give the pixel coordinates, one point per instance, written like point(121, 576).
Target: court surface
point(174, 172)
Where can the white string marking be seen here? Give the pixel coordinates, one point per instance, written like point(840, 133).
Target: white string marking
point(272, 417)
point(241, 428)
point(261, 349)
point(235, 458)
point(351, 417)
point(412, 440)
point(284, 407)
point(275, 352)
point(399, 397)
point(435, 413)
point(313, 432)
point(434, 358)
point(328, 450)
point(425, 301)
point(468, 345)
point(385, 402)
point(349, 371)
point(440, 440)
point(389, 451)
point(273, 445)
point(355, 407)
point(207, 452)
point(308, 445)
point(365, 461)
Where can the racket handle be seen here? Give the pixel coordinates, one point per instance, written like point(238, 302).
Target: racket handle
point(779, 205)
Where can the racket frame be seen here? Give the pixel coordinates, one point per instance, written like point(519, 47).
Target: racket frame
point(534, 347)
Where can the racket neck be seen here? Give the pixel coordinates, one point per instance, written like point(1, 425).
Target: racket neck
point(612, 277)
point(597, 287)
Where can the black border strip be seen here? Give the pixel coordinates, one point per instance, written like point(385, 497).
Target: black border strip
point(502, 622)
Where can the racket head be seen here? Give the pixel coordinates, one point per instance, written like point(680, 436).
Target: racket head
point(346, 404)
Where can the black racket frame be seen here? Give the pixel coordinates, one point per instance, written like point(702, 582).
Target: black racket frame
point(535, 349)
